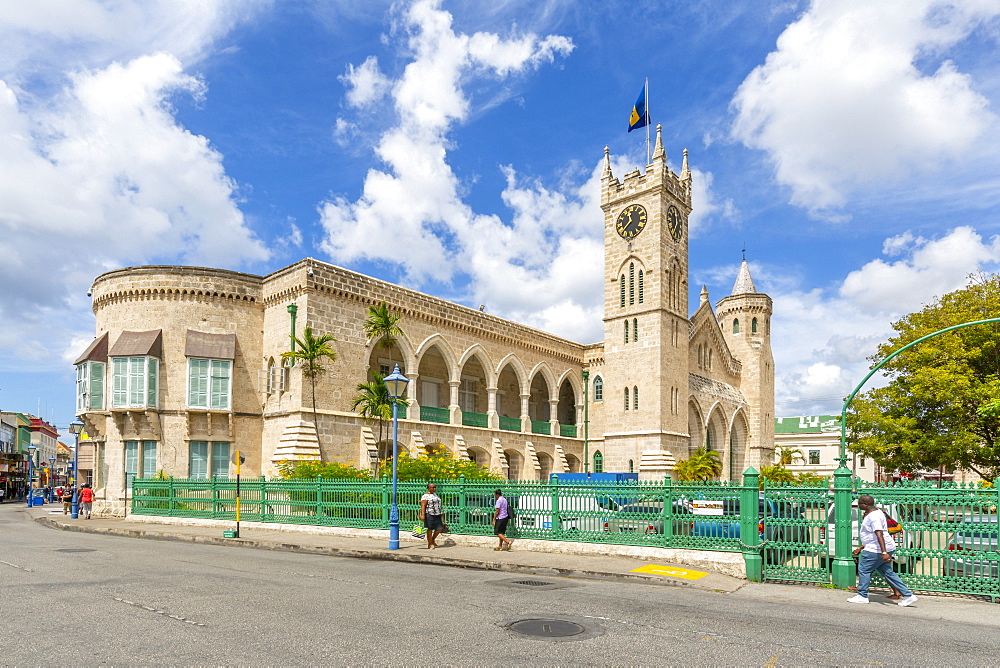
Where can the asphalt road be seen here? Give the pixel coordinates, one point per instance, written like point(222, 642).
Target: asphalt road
point(74, 599)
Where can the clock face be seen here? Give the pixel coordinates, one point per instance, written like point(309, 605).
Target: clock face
point(631, 221)
point(675, 224)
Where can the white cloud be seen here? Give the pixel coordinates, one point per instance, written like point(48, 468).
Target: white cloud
point(929, 268)
point(95, 172)
point(822, 338)
point(365, 84)
point(841, 104)
point(542, 256)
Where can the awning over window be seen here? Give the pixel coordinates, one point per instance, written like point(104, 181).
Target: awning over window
point(133, 344)
point(211, 346)
point(97, 351)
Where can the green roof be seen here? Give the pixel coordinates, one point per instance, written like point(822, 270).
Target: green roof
point(807, 424)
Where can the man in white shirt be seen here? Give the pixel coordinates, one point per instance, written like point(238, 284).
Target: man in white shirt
point(877, 546)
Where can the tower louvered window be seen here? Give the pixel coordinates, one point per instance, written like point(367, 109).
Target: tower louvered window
point(640, 286)
point(631, 283)
point(635, 329)
point(753, 325)
point(635, 398)
point(623, 290)
point(626, 331)
point(626, 399)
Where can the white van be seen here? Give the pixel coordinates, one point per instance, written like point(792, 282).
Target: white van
point(582, 513)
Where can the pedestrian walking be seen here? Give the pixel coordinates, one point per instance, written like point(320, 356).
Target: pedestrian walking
point(67, 499)
point(501, 516)
point(431, 512)
point(875, 554)
point(86, 501)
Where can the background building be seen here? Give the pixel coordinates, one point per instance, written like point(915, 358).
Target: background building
point(186, 366)
point(817, 438)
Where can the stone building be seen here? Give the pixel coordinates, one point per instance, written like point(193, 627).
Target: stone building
point(186, 366)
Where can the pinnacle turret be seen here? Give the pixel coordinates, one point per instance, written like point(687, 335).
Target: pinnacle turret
point(744, 282)
point(685, 172)
point(658, 152)
point(607, 161)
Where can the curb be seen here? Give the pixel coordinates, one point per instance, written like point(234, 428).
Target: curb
point(375, 555)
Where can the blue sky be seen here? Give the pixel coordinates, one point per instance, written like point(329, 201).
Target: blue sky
point(851, 147)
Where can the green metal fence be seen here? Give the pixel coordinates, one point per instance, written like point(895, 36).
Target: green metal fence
point(949, 541)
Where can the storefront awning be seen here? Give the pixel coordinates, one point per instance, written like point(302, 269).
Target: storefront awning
point(97, 351)
point(211, 346)
point(131, 344)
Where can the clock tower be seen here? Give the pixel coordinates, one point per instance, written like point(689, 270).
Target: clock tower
point(646, 325)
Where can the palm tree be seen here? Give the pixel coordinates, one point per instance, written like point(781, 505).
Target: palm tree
point(702, 465)
point(382, 325)
point(788, 455)
point(312, 351)
point(373, 403)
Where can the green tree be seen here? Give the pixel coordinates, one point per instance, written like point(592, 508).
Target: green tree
point(373, 403)
point(309, 470)
point(702, 465)
point(941, 407)
point(788, 455)
point(312, 352)
point(776, 475)
point(440, 467)
point(382, 325)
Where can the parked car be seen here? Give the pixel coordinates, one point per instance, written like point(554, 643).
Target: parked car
point(578, 513)
point(911, 540)
point(646, 517)
point(973, 548)
point(767, 510)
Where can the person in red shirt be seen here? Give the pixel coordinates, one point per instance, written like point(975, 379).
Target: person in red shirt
point(86, 501)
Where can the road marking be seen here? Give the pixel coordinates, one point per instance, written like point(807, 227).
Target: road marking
point(671, 571)
point(159, 612)
point(26, 570)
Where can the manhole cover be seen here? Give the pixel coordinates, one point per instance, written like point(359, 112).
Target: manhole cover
point(547, 628)
point(76, 549)
point(532, 583)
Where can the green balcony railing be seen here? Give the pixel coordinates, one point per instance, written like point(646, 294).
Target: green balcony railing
point(470, 419)
point(434, 414)
point(541, 427)
point(568, 430)
point(510, 424)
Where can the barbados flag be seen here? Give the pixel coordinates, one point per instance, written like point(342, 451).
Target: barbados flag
point(639, 117)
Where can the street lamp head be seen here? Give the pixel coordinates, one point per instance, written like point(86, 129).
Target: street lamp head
point(76, 427)
point(396, 383)
point(32, 447)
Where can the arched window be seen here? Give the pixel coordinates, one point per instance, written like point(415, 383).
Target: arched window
point(635, 398)
point(631, 283)
point(631, 466)
point(623, 290)
point(635, 329)
point(598, 389)
point(709, 364)
point(708, 440)
point(626, 331)
point(640, 286)
point(753, 325)
point(626, 398)
point(736, 325)
point(598, 462)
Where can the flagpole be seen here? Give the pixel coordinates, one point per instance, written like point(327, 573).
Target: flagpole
point(649, 156)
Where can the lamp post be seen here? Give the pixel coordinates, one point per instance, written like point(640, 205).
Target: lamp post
point(76, 428)
point(31, 469)
point(396, 384)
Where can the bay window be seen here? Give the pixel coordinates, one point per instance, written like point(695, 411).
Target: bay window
point(134, 382)
point(209, 383)
point(90, 386)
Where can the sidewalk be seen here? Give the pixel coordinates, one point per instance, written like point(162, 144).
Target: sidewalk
point(528, 557)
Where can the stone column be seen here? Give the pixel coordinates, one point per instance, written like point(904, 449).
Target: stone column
point(491, 408)
point(455, 413)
